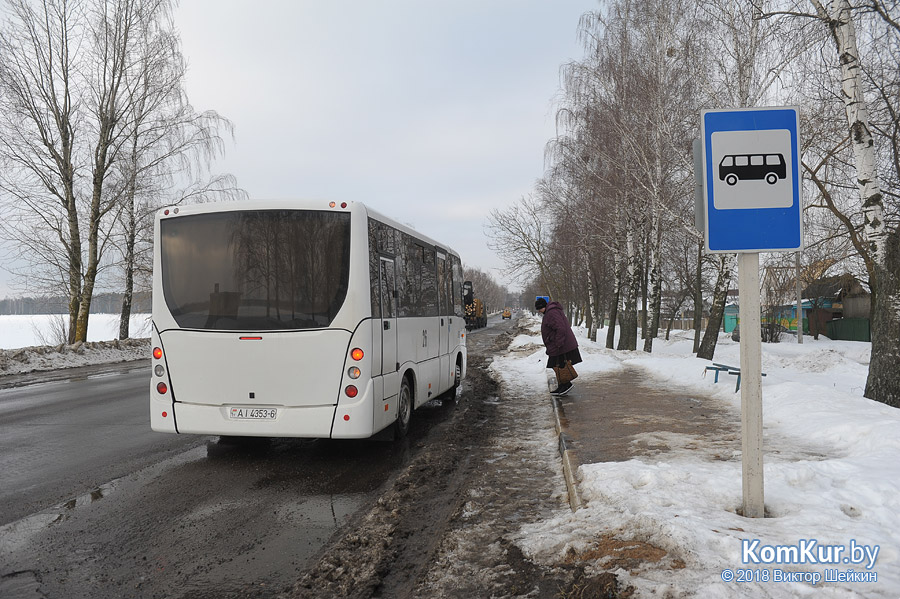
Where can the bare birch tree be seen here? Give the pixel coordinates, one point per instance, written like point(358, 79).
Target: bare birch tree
point(74, 91)
point(41, 114)
point(882, 242)
point(520, 235)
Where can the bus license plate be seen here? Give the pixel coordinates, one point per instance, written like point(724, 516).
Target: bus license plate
point(253, 413)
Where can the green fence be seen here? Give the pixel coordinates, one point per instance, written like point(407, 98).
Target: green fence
point(848, 329)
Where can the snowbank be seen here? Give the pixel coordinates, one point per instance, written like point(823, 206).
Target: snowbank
point(31, 343)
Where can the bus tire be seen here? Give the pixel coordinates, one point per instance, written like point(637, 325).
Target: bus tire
point(731, 179)
point(457, 378)
point(771, 178)
point(404, 410)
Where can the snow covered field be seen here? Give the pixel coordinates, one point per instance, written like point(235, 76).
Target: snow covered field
point(27, 331)
point(832, 475)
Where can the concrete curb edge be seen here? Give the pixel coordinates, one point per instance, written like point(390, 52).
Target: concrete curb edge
point(569, 463)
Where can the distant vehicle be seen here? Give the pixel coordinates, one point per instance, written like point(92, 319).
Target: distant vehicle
point(476, 317)
point(506, 313)
point(742, 167)
point(299, 319)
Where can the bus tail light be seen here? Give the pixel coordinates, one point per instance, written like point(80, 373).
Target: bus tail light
point(353, 372)
point(162, 388)
point(157, 353)
point(357, 354)
point(351, 391)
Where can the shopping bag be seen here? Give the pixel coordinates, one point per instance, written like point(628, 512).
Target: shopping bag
point(565, 374)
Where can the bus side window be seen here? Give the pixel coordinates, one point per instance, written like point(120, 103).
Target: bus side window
point(387, 289)
point(727, 161)
point(430, 289)
point(444, 307)
point(756, 160)
point(457, 287)
point(741, 161)
point(374, 266)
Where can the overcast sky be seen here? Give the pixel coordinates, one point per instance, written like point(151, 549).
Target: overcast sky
point(431, 112)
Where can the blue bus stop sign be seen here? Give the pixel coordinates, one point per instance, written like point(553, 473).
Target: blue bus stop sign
point(751, 180)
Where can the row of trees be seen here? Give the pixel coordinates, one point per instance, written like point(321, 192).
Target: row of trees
point(96, 132)
point(103, 303)
point(609, 229)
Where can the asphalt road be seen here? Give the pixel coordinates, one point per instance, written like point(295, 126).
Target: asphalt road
point(63, 438)
point(94, 504)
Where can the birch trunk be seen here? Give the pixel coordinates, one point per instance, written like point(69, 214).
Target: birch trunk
point(723, 282)
point(630, 284)
point(883, 382)
point(698, 298)
point(592, 302)
point(613, 316)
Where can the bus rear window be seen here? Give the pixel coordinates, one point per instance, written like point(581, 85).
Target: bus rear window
point(255, 270)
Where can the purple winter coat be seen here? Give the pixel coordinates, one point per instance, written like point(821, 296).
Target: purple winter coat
point(556, 332)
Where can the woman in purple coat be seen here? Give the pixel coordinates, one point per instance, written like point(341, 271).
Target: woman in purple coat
point(559, 339)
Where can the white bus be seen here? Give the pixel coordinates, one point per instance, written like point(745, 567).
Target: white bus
point(300, 319)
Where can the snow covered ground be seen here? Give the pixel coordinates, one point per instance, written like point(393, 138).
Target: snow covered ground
point(832, 490)
point(33, 343)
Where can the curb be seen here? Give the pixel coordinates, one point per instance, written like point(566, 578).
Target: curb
point(569, 463)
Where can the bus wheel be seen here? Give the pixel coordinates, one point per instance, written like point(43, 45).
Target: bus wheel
point(731, 178)
point(457, 375)
point(771, 178)
point(404, 410)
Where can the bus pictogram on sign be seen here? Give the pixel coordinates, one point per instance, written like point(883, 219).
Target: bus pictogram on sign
point(746, 167)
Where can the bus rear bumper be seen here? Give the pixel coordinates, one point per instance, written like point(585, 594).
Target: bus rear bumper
point(308, 421)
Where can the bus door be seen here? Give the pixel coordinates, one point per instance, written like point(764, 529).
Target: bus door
point(446, 311)
point(388, 326)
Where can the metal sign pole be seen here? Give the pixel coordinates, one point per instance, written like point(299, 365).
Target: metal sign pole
point(751, 204)
point(751, 385)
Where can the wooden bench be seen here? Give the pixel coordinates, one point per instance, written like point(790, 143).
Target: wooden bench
point(717, 368)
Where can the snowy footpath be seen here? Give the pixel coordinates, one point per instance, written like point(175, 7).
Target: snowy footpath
point(832, 479)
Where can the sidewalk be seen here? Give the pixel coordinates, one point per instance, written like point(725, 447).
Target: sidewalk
point(614, 417)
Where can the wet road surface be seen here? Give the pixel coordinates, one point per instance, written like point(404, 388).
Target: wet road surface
point(72, 435)
point(94, 504)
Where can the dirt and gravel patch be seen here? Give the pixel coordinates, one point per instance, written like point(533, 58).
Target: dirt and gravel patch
point(446, 525)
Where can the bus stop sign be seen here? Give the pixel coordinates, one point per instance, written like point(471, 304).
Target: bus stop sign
point(751, 180)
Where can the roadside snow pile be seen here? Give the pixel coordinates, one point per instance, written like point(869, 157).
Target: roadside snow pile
point(832, 481)
point(37, 358)
point(26, 342)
